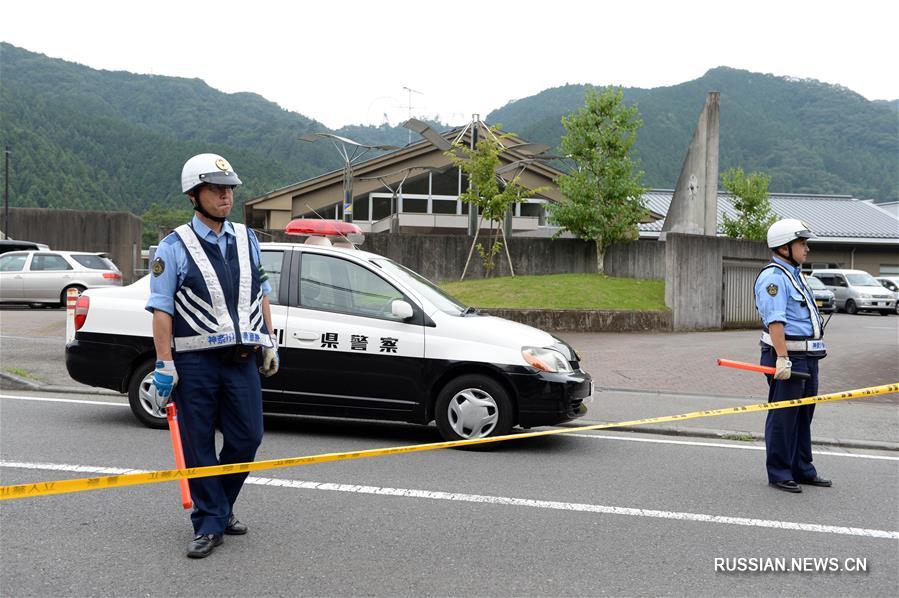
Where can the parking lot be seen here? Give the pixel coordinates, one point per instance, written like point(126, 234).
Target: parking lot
point(589, 513)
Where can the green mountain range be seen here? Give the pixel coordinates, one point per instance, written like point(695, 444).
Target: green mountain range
point(810, 137)
point(83, 138)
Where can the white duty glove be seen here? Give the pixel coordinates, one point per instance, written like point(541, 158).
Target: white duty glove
point(164, 380)
point(782, 370)
point(270, 359)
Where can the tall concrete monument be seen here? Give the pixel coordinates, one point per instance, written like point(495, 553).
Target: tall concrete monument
point(694, 207)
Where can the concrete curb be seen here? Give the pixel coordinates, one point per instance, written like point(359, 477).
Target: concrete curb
point(13, 382)
point(729, 434)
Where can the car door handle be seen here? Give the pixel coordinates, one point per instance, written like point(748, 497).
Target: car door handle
point(305, 335)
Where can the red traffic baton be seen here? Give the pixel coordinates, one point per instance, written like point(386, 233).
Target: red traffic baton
point(175, 432)
point(742, 365)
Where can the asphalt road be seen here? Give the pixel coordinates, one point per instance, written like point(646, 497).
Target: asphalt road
point(597, 514)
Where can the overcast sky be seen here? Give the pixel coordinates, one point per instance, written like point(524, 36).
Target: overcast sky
point(346, 62)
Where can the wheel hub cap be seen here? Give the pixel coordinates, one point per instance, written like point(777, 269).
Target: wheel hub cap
point(473, 413)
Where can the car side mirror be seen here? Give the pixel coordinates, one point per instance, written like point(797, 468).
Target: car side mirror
point(401, 309)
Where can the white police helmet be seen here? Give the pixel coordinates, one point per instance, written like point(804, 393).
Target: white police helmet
point(207, 168)
point(786, 231)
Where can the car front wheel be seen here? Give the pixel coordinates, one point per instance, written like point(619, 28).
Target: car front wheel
point(473, 406)
point(851, 308)
point(142, 404)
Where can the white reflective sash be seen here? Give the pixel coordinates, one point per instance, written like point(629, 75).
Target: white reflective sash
point(219, 305)
point(193, 316)
point(800, 288)
point(245, 285)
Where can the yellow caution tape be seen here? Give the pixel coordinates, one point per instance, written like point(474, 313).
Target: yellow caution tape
point(153, 477)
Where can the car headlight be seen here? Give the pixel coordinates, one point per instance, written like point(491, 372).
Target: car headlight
point(546, 360)
point(864, 296)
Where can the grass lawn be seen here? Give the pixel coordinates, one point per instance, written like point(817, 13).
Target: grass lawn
point(561, 291)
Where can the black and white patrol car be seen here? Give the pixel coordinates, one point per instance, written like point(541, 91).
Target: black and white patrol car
point(360, 336)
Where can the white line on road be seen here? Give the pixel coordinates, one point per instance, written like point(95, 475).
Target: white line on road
point(575, 434)
point(55, 400)
point(505, 501)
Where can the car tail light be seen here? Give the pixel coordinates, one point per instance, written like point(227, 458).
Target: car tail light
point(81, 306)
point(112, 275)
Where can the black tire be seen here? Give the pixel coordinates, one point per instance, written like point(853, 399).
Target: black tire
point(137, 396)
point(65, 291)
point(851, 308)
point(476, 396)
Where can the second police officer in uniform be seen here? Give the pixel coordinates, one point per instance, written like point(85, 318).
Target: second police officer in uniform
point(792, 342)
point(211, 314)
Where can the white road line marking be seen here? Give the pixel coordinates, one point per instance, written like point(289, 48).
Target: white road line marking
point(575, 434)
point(504, 501)
point(720, 445)
point(55, 400)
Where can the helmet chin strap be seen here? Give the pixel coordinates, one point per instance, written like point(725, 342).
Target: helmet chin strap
point(789, 257)
point(198, 207)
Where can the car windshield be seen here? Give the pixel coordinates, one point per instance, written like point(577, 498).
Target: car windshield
point(862, 280)
point(441, 300)
point(814, 283)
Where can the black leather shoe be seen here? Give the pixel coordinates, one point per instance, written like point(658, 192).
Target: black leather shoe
point(203, 545)
point(235, 527)
point(817, 481)
point(786, 486)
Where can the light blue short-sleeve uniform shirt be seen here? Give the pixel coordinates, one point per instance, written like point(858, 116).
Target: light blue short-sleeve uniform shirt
point(174, 256)
point(777, 300)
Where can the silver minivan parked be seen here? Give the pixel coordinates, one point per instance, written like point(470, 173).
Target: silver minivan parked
point(856, 290)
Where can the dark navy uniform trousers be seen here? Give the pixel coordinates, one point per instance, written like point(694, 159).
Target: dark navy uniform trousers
point(788, 434)
point(214, 395)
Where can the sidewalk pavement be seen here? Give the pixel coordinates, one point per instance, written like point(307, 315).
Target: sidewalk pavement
point(858, 424)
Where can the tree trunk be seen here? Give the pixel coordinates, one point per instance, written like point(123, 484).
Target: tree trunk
point(508, 255)
point(471, 250)
point(600, 257)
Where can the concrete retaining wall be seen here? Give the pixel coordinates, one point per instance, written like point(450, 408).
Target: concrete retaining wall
point(574, 320)
point(693, 279)
point(442, 257)
point(115, 233)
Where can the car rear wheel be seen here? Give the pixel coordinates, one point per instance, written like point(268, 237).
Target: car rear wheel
point(65, 292)
point(851, 308)
point(473, 406)
point(139, 398)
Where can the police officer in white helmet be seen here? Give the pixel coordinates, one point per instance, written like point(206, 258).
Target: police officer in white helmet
point(211, 318)
point(792, 343)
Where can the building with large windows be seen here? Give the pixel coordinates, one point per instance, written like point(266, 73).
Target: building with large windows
point(416, 190)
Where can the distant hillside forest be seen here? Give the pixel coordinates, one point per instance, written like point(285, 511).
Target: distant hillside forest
point(83, 138)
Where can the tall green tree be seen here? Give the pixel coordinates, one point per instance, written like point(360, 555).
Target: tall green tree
point(750, 198)
point(604, 191)
point(159, 219)
point(488, 193)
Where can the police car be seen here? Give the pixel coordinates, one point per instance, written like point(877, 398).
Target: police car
point(360, 336)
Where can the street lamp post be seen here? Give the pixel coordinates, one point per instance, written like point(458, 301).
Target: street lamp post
point(6, 153)
point(351, 152)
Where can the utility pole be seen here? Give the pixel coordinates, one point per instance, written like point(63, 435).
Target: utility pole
point(6, 153)
point(410, 91)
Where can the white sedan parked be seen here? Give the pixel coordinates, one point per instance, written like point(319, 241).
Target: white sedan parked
point(44, 277)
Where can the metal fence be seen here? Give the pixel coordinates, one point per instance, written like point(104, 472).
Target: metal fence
point(737, 293)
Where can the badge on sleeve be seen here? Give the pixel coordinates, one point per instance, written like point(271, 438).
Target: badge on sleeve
point(158, 266)
point(772, 289)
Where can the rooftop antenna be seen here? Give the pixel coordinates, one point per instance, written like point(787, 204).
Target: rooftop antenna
point(410, 91)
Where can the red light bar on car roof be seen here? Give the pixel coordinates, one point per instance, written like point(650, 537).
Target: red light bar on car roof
point(326, 228)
